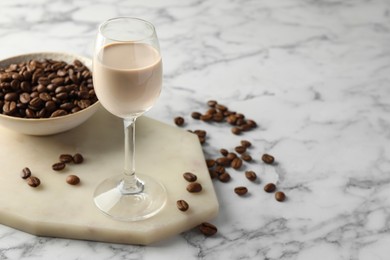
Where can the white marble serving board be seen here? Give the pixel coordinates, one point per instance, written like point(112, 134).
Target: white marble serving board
point(58, 209)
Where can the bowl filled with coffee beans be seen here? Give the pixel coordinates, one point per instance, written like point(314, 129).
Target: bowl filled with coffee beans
point(46, 93)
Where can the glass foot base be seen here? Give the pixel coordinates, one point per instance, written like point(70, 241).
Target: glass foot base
point(130, 207)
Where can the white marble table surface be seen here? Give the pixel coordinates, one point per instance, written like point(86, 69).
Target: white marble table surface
point(315, 75)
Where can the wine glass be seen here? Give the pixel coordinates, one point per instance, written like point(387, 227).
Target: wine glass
point(127, 76)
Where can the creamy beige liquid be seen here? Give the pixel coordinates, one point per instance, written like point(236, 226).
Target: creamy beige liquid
point(127, 78)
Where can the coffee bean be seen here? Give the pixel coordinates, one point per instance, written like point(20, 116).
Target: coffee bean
point(221, 108)
point(246, 143)
point(24, 98)
point(211, 111)
point(73, 180)
point(202, 140)
point(232, 119)
point(33, 181)
point(59, 112)
point(246, 157)
point(66, 158)
point(206, 117)
point(251, 123)
point(231, 156)
point(25, 173)
point(236, 163)
point(179, 121)
point(208, 229)
point(218, 117)
point(182, 205)
point(36, 102)
point(236, 130)
point(224, 152)
point(200, 133)
point(9, 107)
point(224, 177)
point(78, 158)
point(251, 175)
point(196, 115)
point(268, 159)
point(245, 127)
point(210, 163)
point(280, 196)
point(240, 149)
point(219, 170)
point(190, 177)
point(223, 161)
point(12, 96)
point(194, 187)
point(212, 103)
point(58, 166)
point(241, 190)
point(270, 187)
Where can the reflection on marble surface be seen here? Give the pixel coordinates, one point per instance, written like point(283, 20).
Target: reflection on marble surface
point(313, 74)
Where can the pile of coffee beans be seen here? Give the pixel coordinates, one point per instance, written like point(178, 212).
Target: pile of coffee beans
point(219, 113)
point(43, 89)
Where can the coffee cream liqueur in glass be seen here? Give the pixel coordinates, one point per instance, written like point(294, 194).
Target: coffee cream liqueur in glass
point(127, 76)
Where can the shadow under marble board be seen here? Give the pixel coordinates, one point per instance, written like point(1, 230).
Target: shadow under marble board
point(57, 209)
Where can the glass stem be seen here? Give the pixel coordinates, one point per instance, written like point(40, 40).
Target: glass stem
point(130, 183)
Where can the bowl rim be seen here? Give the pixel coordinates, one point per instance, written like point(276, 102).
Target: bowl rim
point(77, 56)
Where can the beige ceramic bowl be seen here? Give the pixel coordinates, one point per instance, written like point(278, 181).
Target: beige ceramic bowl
point(47, 126)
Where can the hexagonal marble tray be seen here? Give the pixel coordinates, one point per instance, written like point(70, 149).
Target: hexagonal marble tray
point(58, 209)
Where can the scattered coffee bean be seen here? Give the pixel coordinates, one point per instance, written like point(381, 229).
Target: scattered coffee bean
point(194, 187)
point(240, 149)
point(78, 158)
point(200, 133)
point(25, 173)
point(196, 115)
point(236, 163)
point(236, 130)
point(246, 143)
point(219, 170)
point(268, 159)
point(246, 157)
point(66, 158)
point(224, 177)
point(206, 117)
point(270, 187)
point(212, 103)
point(182, 205)
point(280, 196)
point(211, 111)
point(189, 176)
point(241, 190)
point(208, 229)
point(58, 166)
point(231, 156)
point(202, 140)
point(224, 152)
point(73, 180)
point(210, 163)
point(223, 161)
point(33, 181)
point(179, 121)
point(221, 108)
point(251, 175)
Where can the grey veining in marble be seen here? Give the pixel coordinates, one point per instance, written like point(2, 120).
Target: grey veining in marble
point(314, 74)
